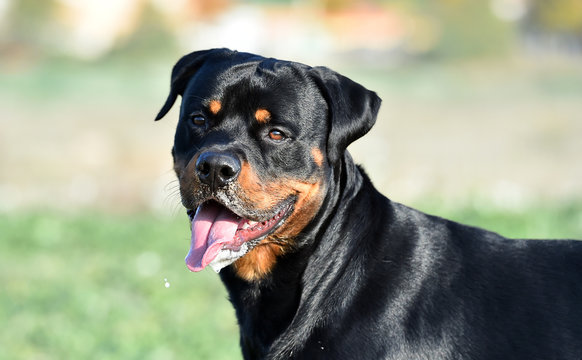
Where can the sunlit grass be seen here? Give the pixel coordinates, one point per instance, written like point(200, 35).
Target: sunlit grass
point(537, 221)
point(92, 286)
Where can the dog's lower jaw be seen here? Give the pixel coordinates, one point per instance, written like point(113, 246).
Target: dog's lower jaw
point(226, 257)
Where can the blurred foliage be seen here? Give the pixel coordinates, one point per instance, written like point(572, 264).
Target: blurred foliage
point(151, 40)
point(467, 28)
point(563, 16)
point(28, 19)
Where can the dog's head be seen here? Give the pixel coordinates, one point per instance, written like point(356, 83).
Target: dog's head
point(255, 144)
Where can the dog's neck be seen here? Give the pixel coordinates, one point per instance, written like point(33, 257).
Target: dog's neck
point(285, 290)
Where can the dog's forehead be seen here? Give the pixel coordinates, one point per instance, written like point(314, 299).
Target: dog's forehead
point(263, 87)
point(217, 78)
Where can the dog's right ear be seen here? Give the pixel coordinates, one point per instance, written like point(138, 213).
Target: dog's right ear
point(182, 72)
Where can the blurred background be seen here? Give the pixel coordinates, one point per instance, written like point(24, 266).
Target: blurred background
point(481, 122)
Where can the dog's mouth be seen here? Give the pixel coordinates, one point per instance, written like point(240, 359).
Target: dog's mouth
point(220, 237)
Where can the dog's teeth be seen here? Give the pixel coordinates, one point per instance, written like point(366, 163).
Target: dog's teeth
point(248, 224)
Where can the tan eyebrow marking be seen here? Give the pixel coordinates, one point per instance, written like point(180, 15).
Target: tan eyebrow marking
point(263, 116)
point(317, 156)
point(214, 106)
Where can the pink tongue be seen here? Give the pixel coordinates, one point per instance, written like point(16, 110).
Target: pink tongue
point(212, 227)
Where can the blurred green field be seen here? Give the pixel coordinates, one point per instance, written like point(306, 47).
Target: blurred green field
point(92, 285)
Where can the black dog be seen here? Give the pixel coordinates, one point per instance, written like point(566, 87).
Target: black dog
point(319, 264)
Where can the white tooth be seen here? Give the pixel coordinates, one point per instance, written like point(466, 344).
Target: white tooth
point(252, 223)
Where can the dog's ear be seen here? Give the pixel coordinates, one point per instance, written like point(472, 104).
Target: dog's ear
point(182, 72)
point(352, 110)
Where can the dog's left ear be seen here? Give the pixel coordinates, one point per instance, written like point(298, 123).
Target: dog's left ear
point(352, 110)
point(184, 69)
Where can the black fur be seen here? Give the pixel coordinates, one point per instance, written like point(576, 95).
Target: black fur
point(368, 278)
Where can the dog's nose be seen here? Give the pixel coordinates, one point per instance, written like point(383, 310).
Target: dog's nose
point(217, 169)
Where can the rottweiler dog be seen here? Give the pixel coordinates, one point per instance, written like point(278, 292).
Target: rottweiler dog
point(318, 264)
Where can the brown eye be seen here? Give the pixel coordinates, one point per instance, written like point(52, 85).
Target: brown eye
point(276, 135)
point(198, 119)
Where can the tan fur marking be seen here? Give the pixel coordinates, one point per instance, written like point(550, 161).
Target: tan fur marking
point(214, 106)
point(263, 116)
point(317, 156)
point(261, 260)
point(255, 192)
point(309, 198)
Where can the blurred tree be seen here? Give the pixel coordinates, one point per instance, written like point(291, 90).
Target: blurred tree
point(152, 38)
point(557, 15)
point(467, 28)
point(334, 5)
point(29, 24)
point(554, 25)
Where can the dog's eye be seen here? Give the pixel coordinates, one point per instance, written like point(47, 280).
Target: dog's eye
point(276, 135)
point(198, 119)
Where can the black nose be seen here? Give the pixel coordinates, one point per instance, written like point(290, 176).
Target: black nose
point(217, 169)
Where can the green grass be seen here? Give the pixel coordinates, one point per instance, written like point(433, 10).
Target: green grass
point(91, 285)
point(537, 221)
